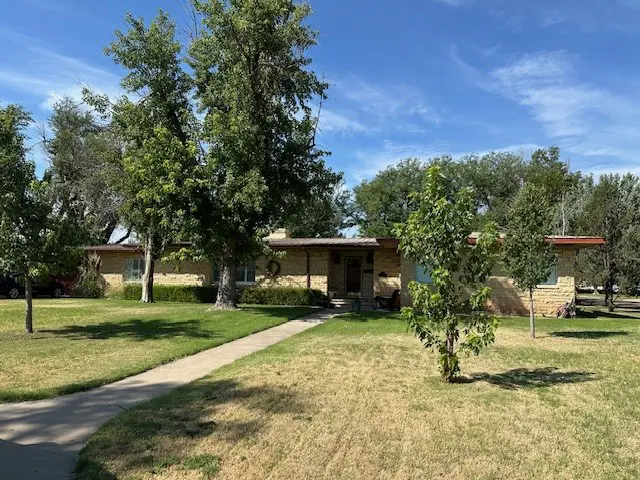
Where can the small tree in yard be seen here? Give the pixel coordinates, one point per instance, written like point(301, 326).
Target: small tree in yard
point(528, 257)
point(35, 238)
point(448, 316)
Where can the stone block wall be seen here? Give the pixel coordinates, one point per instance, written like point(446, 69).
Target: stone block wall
point(387, 262)
point(507, 299)
point(293, 270)
point(112, 268)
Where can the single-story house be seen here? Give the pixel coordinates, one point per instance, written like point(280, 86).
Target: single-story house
point(345, 268)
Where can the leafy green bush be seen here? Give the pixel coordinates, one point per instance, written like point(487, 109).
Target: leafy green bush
point(173, 293)
point(281, 296)
point(254, 295)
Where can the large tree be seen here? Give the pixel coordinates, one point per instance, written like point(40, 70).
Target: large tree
point(256, 90)
point(156, 122)
point(36, 238)
point(85, 164)
point(382, 202)
point(610, 208)
point(528, 257)
point(324, 215)
point(448, 316)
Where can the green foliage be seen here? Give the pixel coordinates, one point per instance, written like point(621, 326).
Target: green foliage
point(35, 238)
point(173, 293)
point(90, 284)
point(448, 316)
point(281, 296)
point(208, 294)
point(85, 158)
point(495, 179)
point(610, 208)
point(207, 464)
point(324, 215)
point(256, 89)
point(158, 129)
point(528, 257)
point(384, 201)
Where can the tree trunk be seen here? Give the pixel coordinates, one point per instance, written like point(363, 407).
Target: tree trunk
point(227, 286)
point(28, 295)
point(149, 268)
point(532, 318)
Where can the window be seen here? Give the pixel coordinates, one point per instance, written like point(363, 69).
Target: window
point(553, 277)
point(244, 274)
point(421, 274)
point(133, 269)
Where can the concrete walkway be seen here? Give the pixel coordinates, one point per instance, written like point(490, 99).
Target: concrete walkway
point(40, 440)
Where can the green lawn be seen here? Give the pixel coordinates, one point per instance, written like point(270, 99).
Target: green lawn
point(359, 398)
point(81, 344)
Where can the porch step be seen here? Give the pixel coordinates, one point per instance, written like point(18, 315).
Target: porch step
point(347, 304)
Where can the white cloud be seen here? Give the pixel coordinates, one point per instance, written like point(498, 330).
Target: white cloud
point(333, 122)
point(389, 103)
point(46, 75)
point(580, 116)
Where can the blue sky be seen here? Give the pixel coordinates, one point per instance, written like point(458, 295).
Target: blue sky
point(409, 78)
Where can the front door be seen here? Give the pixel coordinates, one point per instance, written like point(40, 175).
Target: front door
point(353, 276)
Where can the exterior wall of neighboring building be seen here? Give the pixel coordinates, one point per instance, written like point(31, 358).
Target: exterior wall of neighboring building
point(507, 299)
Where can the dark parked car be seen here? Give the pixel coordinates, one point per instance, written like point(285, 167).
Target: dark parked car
point(9, 287)
point(49, 287)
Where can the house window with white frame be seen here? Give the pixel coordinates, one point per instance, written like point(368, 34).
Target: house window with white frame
point(133, 269)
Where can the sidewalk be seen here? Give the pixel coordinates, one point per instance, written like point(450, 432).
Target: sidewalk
point(40, 440)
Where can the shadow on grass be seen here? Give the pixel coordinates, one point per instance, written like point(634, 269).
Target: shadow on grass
point(136, 329)
point(604, 313)
point(589, 334)
point(145, 436)
point(533, 378)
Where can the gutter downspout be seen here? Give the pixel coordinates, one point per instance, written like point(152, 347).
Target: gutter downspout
point(308, 269)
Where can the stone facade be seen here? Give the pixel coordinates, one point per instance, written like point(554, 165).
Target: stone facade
point(387, 272)
point(112, 268)
point(293, 270)
point(383, 271)
point(507, 299)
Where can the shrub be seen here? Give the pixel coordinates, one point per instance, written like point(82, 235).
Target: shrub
point(173, 293)
point(281, 296)
point(91, 284)
point(254, 295)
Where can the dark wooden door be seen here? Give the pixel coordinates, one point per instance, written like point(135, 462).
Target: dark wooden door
point(353, 276)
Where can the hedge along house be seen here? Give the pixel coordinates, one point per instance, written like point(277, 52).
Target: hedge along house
point(344, 269)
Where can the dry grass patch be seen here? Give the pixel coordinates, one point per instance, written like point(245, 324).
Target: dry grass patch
point(362, 400)
point(80, 344)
